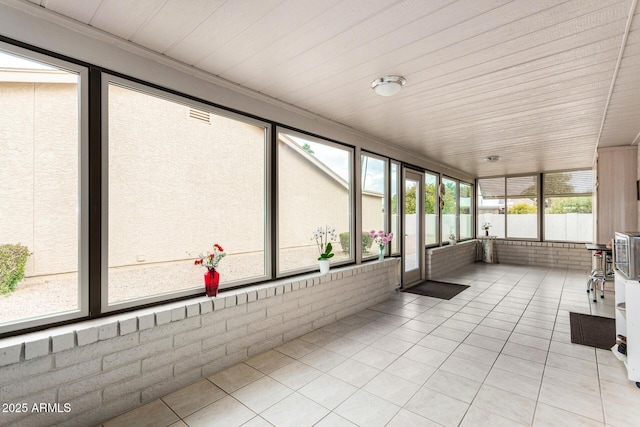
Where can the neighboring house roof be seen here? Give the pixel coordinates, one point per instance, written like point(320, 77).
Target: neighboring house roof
point(16, 75)
point(321, 166)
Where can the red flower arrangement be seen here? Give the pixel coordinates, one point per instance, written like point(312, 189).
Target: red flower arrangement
point(211, 260)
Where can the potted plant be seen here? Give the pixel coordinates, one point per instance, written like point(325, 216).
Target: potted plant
point(486, 226)
point(210, 262)
point(324, 237)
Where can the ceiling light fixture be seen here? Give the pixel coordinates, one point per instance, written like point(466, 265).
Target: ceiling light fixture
point(492, 159)
point(388, 85)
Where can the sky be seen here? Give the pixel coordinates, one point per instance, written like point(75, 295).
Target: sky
point(10, 61)
point(338, 161)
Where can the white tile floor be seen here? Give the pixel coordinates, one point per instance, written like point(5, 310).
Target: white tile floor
point(497, 354)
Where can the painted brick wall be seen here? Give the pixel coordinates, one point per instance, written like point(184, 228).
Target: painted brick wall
point(545, 254)
point(105, 367)
point(443, 260)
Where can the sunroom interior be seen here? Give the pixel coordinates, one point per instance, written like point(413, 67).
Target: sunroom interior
point(139, 140)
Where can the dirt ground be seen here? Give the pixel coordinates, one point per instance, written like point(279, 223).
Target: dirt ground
point(58, 293)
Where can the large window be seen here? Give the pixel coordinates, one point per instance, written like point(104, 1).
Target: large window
point(430, 209)
point(450, 210)
point(373, 200)
point(181, 178)
point(568, 209)
point(314, 190)
point(522, 207)
point(491, 206)
point(510, 206)
point(148, 181)
point(43, 234)
point(466, 215)
point(395, 207)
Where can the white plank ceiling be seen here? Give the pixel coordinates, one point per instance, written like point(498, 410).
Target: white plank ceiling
point(540, 83)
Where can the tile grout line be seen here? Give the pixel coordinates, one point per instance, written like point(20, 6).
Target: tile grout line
point(534, 294)
point(500, 352)
point(469, 333)
point(535, 409)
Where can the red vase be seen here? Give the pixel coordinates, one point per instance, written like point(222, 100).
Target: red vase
point(211, 281)
point(486, 232)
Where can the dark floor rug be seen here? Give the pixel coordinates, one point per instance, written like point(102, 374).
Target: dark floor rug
point(594, 331)
point(440, 290)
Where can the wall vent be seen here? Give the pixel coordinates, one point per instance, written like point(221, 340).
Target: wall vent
point(203, 116)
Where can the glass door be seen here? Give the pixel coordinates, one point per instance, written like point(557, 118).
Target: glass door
point(413, 226)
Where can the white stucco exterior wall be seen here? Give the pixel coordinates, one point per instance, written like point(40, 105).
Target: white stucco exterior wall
point(165, 202)
point(39, 173)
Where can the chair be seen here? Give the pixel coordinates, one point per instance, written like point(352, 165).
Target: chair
point(598, 274)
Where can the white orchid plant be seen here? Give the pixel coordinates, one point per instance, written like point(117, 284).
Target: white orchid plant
point(324, 237)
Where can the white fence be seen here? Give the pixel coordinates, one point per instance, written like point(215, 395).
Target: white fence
point(571, 227)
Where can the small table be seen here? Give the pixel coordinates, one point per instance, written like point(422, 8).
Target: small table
point(605, 251)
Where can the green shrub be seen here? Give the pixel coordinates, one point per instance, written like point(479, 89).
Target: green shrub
point(344, 241)
point(522, 208)
point(13, 259)
point(366, 242)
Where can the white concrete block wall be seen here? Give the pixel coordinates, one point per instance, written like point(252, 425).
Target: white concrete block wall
point(102, 368)
point(445, 259)
point(545, 254)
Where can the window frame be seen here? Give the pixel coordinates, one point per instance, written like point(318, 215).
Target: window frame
point(106, 80)
point(543, 196)
point(387, 203)
point(398, 229)
point(477, 206)
point(276, 189)
point(506, 213)
point(471, 210)
point(540, 211)
point(82, 190)
point(457, 213)
point(438, 212)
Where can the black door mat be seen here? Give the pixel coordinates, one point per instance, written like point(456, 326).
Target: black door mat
point(594, 331)
point(441, 290)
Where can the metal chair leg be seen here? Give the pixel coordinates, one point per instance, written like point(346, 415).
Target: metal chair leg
point(597, 276)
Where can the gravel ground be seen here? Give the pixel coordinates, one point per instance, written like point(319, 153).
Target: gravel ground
point(42, 295)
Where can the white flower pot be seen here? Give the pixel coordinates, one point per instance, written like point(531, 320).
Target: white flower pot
point(324, 266)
